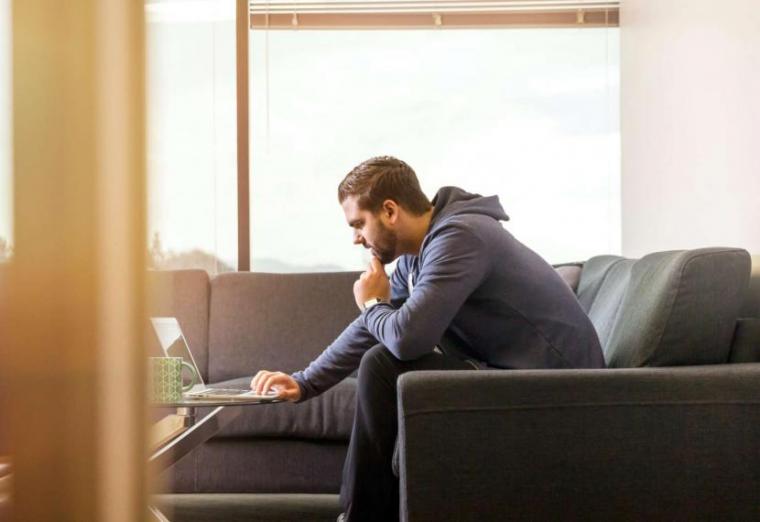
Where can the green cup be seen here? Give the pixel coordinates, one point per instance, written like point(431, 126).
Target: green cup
point(166, 379)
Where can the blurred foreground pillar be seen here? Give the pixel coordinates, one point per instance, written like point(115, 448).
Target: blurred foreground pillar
point(75, 362)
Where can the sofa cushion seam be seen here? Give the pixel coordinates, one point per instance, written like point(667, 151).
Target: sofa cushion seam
point(580, 405)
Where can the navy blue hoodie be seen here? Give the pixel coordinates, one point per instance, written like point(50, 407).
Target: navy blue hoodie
point(474, 282)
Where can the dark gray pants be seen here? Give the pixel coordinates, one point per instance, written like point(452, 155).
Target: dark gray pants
point(370, 489)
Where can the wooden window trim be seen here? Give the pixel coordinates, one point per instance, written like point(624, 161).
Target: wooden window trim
point(243, 146)
point(473, 20)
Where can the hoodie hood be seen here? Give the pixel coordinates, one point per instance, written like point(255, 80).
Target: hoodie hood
point(453, 201)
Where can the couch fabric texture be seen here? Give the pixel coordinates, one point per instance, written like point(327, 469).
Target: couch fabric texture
point(275, 321)
point(618, 444)
point(249, 508)
point(237, 324)
point(667, 309)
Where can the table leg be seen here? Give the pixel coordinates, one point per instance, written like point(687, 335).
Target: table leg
point(197, 433)
point(157, 514)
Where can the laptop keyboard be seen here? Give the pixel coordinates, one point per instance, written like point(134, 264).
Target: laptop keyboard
point(217, 391)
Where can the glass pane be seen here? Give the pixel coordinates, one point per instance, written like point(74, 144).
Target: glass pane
point(6, 156)
point(192, 177)
point(527, 114)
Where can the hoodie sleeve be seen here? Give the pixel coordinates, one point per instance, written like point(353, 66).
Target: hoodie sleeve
point(336, 362)
point(342, 357)
point(399, 288)
point(455, 263)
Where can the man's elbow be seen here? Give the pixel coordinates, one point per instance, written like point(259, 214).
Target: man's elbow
point(409, 348)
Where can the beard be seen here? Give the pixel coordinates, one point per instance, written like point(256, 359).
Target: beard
point(384, 247)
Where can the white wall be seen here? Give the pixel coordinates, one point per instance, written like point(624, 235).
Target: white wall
point(690, 124)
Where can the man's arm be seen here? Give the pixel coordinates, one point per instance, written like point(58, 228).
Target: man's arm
point(339, 359)
point(333, 365)
point(342, 357)
point(336, 362)
point(455, 263)
point(399, 283)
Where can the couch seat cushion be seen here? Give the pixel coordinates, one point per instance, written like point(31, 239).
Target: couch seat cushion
point(328, 416)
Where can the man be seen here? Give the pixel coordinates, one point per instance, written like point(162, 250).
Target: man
point(465, 294)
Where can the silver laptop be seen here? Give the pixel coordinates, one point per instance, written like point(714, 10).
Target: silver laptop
point(174, 344)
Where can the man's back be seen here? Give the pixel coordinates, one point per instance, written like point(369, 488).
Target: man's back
point(518, 313)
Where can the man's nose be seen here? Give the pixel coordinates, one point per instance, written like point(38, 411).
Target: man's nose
point(358, 239)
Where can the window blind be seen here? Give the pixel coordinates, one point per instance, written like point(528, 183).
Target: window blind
point(336, 14)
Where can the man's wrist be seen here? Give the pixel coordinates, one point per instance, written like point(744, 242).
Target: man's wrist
point(369, 303)
point(298, 377)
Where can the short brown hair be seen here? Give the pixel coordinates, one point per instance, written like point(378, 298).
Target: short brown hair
point(381, 178)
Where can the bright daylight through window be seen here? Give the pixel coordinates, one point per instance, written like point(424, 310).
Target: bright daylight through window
point(191, 134)
point(528, 114)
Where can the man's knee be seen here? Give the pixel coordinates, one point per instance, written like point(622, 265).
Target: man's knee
point(375, 361)
point(373, 356)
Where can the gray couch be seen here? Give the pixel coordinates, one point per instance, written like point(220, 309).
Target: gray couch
point(629, 442)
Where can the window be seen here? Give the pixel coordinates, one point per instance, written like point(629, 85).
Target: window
point(528, 114)
point(6, 156)
point(191, 134)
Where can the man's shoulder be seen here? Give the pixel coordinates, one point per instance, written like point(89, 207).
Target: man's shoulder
point(476, 225)
point(461, 233)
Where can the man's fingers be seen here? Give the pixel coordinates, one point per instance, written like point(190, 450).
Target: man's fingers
point(271, 380)
point(282, 383)
point(281, 392)
point(265, 385)
point(375, 264)
point(259, 378)
point(260, 384)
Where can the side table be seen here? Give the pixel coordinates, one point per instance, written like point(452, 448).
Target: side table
point(178, 434)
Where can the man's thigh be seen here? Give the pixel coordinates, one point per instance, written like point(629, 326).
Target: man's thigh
point(434, 360)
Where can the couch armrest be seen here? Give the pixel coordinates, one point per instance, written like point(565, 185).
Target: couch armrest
point(646, 443)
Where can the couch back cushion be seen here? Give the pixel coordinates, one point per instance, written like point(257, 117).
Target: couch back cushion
point(570, 274)
point(746, 344)
point(275, 321)
point(604, 281)
point(751, 306)
point(183, 294)
point(668, 308)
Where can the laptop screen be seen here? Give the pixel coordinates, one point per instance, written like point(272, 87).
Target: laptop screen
point(173, 342)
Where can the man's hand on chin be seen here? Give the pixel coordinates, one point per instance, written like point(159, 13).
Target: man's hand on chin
point(372, 283)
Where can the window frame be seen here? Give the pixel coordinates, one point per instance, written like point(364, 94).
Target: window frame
point(251, 15)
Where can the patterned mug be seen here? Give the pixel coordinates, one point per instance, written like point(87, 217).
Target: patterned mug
point(166, 379)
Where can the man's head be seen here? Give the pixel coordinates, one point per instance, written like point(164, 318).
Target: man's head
point(384, 204)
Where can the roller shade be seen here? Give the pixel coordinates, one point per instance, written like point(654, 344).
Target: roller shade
point(313, 14)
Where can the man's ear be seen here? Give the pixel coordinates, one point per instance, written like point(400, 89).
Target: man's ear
point(391, 210)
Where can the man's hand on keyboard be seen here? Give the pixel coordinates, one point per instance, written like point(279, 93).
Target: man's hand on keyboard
point(285, 386)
